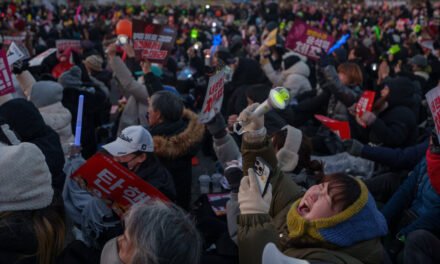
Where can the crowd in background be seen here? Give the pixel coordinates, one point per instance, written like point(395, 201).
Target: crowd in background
point(145, 116)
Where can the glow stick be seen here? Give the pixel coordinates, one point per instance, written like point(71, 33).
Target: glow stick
point(79, 121)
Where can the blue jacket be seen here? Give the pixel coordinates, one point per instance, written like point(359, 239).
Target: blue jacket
point(396, 158)
point(418, 195)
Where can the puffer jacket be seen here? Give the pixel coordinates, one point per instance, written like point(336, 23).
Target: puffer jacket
point(55, 115)
point(419, 196)
point(295, 78)
point(256, 230)
point(59, 119)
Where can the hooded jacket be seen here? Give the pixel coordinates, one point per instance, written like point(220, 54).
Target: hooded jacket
point(26, 121)
point(175, 144)
point(248, 72)
point(55, 115)
point(419, 196)
point(294, 78)
point(396, 126)
point(256, 230)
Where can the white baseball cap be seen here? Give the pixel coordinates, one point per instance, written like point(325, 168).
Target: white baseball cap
point(271, 255)
point(131, 139)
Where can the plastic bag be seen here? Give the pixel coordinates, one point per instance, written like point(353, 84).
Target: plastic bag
point(344, 162)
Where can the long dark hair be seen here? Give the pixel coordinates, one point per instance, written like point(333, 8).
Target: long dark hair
point(49, 227)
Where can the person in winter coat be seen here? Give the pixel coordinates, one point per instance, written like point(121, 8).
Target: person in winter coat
point(176, 135)
point(416, 204)
point(245, 72)
point(146, 239)
point(47, 97)
point(32, 228)
point(134, 150)
point(320, 225)
point(294, 75)
point(392, 123)
point(399, 160)
point(94, 104)
point(419, 65)
point(137, 94)
point(26, 121)
point(343, 86)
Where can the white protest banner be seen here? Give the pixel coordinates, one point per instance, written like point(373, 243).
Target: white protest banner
point(63, 44)
point(6, 85)
point(433, 99)
point(40, 57)
point(14, 54)
point(213, 98)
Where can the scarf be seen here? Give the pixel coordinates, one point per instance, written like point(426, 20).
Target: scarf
point(359, 222)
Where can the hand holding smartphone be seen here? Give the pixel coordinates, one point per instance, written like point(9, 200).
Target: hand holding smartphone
point(262, 173)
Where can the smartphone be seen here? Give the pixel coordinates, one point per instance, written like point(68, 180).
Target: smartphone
point(262, 173)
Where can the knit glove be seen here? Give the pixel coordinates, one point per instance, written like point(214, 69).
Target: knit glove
point(353, 147)
point(252, 126)
point(19, 67)
point(217, 126)
point(249, 196)
point(367, 118)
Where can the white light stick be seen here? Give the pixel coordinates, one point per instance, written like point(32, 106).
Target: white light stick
point(278, 99)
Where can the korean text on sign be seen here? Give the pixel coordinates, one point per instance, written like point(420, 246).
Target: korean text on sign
point(108, 180)
point(307, 40)
point(6, 85)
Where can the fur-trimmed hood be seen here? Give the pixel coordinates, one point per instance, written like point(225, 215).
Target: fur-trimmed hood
point(180, 144)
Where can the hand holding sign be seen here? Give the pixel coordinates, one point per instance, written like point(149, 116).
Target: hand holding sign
point(213, 98)
point(364, 105)
point(14, 54)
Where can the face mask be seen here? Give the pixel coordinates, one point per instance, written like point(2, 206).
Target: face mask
point(110, 254)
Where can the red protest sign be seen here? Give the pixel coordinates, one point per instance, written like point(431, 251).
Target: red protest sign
point(307, 40)
point(152, 42)
point(365, 103)
point(107, 179)
point(433, 99)
point(6, 85)
point(340, 128)
point(213, 98)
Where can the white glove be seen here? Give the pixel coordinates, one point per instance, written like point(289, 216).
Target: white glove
point(249, 196)
point(254, 124)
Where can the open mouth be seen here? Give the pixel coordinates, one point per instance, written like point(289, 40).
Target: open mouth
point(303, 209)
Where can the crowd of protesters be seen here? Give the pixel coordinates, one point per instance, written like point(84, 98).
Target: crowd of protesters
point(144, 116)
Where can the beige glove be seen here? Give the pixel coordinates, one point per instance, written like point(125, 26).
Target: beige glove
point(249, 196)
